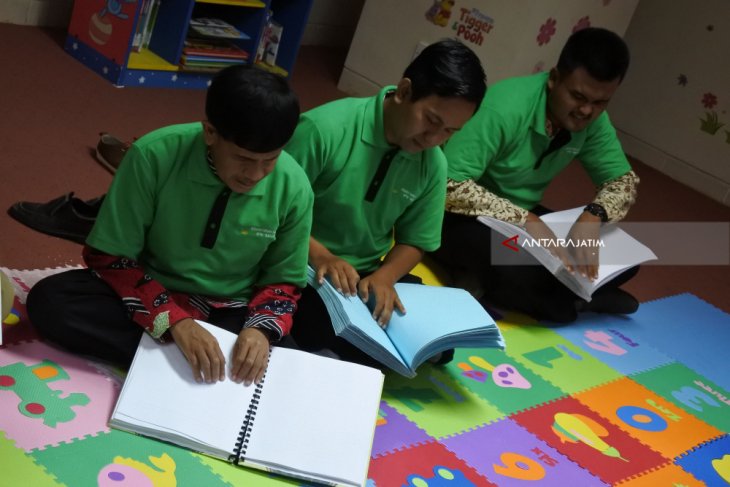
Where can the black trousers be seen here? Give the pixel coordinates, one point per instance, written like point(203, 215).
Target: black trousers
point(83, 314)
point(531, 289)
point(313, 330)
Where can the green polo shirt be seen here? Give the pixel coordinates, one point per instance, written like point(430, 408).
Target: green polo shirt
point(340, 146)
point(499, 146)
point(157, 209)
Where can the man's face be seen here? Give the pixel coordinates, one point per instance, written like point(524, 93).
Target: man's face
point(239, 168)
point(427, 122)
point(575, 100)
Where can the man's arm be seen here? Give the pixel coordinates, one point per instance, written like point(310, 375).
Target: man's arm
point(469, 198)
point(618, 196)
point(152, 306)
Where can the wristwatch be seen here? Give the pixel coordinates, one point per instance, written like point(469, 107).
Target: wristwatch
point(597, 210)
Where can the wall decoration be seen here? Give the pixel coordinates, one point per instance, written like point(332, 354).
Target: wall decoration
point(547, 31)
point(440, 12)
point(472, 25)
point(582, 23)
point(682, 79)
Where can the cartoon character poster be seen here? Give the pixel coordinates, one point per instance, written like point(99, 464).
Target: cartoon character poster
point(104, 25)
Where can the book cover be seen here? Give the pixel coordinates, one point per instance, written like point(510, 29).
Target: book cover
point(311, 418)
point(217, 28)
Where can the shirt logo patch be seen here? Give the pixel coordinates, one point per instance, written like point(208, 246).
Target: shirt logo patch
point(405, 194)
point(269, 233)
point(571, 150)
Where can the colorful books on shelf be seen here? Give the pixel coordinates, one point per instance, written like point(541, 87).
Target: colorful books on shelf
point(225, 50)
point(145, 24)
point(215, 28)
point(311, 418)
point(617, 250)
point(210, 56)
point(437, 319)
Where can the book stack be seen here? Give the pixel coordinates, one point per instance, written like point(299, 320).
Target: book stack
point(210, 46)
point(145, 24)
point(437, 319)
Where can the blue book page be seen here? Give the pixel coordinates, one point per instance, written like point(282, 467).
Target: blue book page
point(433, 313)
point(360, 317)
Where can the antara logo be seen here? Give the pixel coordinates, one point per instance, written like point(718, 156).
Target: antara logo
point(512, 242)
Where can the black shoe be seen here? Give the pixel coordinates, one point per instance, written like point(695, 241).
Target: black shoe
point(442, 358)
point(65, 217)
point(613, 301)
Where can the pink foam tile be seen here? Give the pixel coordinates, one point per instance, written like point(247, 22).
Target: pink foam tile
point(49, 396)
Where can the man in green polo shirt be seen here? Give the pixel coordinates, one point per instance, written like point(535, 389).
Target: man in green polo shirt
point(527, 130)
point(379, 176)
point(206, 221)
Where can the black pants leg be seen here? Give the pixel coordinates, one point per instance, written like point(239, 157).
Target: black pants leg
point(80, 312)
point(83, 314)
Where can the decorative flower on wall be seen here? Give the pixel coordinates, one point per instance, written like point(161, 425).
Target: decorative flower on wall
point(547, 31)
point(682, 79)
point(606, 2)
point(582, 23)
point(539, 67)
point(709, 100)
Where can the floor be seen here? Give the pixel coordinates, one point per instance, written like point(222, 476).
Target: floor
point(54, 109)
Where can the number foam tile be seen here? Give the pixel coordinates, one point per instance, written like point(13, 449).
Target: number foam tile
point(690, 391)
point(647, 417)
point(517, 457)
point(430, 464)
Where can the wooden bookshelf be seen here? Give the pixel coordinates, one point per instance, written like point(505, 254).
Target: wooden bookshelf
point(102, 40)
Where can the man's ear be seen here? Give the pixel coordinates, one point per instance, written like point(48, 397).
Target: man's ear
point(209, 133)
point(553, 78)
point(403, 90)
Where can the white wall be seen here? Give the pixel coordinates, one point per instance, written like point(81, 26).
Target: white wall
point(661, 118)
point(389, 33)
point(332, 22)
point(46, 13)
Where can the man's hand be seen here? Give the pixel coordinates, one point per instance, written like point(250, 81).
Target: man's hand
point(250, 356)
point(585, 232)
point(201, 349)
point(341, 274)
point(539, 230)
point(380, 290)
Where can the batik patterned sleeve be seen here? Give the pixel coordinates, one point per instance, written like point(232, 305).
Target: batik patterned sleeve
point(272, 309)
point(469, 198)
point(618, 195)
point(148, 303)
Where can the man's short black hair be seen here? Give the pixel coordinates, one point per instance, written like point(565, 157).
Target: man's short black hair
point(447, 68)
point(252, 108)
point(602, 53)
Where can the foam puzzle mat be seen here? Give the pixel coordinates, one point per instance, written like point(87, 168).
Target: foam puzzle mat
point(632, 401)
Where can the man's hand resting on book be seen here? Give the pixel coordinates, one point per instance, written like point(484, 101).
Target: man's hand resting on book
point(201, 349)
point(250, 356)
point(586, 230)
point(341, 274)
point(539, 230)
point(378, 292)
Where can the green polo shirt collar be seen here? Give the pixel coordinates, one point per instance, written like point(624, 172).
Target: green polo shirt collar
point(373, 130)
point(199, 172)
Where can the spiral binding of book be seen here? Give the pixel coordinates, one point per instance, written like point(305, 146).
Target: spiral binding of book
point(239, 451)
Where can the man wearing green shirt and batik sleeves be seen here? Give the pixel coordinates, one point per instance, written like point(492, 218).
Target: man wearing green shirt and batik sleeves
point(527, 130)
point(379, 181)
